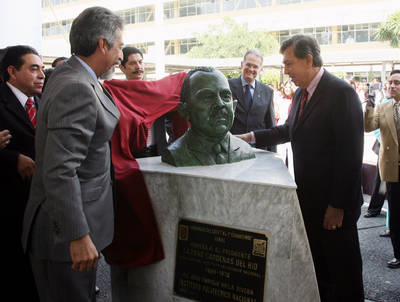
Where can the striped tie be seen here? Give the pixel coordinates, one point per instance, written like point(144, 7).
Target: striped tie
point(31, 110)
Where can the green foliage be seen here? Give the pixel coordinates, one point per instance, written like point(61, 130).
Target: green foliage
point(390, 30)
point(230, 74)
point(270, 76)
point(340, 74)
point(231, 40)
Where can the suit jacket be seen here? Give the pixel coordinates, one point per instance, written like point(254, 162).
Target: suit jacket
point(15, 191)
point(260, 114)
point(383, 119)
point(160, 137)
point(14, 118)
point(327, 142)
point(71, 193)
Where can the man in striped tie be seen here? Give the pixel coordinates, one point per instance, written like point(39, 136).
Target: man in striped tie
point(22, 71)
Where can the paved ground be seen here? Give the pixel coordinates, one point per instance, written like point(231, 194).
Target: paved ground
point(381, 283)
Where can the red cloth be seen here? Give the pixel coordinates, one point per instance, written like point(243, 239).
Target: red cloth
point(137, 239)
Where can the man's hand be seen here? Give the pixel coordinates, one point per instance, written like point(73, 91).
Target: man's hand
point(25, 167)
point(83, 254)
point(333, 218)
point(5, 137)
point(246, 137)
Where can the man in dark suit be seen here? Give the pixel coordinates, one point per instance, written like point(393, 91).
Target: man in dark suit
point(255, 108)
point(69, 217)
point(133, 67)
point(22, 70)
point(325, 128)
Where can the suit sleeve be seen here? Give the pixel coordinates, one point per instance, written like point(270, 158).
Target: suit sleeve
point(371, 119)
point(272, 136)
point(71, 124)
point(348, 133)
point(269, 118)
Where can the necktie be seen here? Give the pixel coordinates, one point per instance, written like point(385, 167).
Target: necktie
point(31, 110)
point(247, 97)
point(396, 113)
point(303, 101)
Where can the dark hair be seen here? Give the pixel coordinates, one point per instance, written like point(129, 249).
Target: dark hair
point(185, 90)
point(47, 73)
point(91, 25)
point(13, 57)
point(58, 60)
point(127, 51)
point(304, 45)
point(394, 71)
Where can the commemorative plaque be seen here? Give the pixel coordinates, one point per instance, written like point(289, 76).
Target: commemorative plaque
point(219, 264)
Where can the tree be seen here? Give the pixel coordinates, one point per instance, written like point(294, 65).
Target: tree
point(390, 30)
point(231, 40)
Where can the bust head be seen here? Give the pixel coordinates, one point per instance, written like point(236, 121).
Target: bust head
point(206, 102)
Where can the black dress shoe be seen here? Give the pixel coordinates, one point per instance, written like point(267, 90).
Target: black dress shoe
point(370, 215)
point(394, 263)
point(386, 234)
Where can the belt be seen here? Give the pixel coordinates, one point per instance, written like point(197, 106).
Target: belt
point(149, 151)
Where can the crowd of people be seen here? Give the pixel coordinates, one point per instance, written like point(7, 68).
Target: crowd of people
point(58, 142)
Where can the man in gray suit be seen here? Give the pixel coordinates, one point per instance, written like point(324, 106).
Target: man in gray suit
point(255, 108)
point(69, 217)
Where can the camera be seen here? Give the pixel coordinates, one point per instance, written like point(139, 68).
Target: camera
point(371, 95)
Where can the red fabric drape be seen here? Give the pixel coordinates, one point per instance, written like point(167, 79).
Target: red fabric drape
point(137, 239)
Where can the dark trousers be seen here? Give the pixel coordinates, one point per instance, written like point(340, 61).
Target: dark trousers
point(393, 193)
point(58, 282)
point(377, 197)
point(337, 262)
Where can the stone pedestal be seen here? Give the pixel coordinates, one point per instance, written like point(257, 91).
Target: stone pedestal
point(257, 195)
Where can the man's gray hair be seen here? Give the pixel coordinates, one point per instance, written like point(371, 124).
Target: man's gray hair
point(255, 52)
point(91, 25)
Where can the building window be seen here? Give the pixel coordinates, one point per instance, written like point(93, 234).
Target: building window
point(143, 47)
point(56, 28)
point(284, 2)
point(179, 47)
point(186, 44)
point(137, 15)
point(169, 10)
point(50, 3)
point(341, 34)
point(186, 8)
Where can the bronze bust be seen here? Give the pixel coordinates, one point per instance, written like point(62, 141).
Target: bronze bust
point(206, 102)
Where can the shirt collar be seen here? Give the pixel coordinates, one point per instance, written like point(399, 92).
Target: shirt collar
point(395, 103)
point(244, 83)
point(314, 83)
point(88, 68)
point(22, 97)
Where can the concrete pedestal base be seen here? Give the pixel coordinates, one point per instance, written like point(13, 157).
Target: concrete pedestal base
point(257, 194)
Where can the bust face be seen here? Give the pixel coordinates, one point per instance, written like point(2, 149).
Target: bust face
point(210, 106)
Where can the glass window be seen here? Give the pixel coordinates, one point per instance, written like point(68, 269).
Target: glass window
point(228, 5)
point(323, 35)
point(361, 33)
point(169, 10)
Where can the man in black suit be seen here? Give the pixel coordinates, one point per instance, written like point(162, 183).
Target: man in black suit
point(255, 109)
point(325, 128)
point(133, 67)
point(22, 70)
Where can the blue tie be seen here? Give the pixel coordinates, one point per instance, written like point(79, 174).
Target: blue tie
point(247, 97)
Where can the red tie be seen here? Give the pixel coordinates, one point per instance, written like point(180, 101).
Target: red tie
point(31, 110)
point(303, 101)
